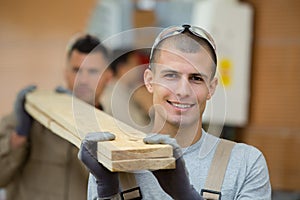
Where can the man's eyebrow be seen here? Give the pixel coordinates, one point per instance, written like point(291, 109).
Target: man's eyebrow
point(200, 74)
point(204, 76)
point(168, 71)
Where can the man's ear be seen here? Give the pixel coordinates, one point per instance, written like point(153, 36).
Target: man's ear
point(212, 88)
point(148, 80)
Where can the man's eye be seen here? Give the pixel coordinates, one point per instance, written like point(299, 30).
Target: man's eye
point(197, 78)
point(171, 75)
point(93, 71)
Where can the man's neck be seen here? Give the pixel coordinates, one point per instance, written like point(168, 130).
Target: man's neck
point(185, 136)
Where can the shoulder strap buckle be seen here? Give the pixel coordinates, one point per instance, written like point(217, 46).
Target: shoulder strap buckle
point(132, 194)
point(211, 194)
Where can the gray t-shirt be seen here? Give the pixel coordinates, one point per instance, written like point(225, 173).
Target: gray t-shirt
point(246, 176)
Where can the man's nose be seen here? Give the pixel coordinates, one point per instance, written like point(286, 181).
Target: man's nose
point(82, 77)
point(183, 88)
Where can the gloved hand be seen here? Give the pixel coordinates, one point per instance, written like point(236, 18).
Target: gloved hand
point(24, 120)
point(175, 182)
point(60, 89)
point(107, 181)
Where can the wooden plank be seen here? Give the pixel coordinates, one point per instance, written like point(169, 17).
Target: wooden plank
point(136, 164)
point(54, 127)
point(72, 119)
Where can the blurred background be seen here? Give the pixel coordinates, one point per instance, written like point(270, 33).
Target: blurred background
point(258, 45)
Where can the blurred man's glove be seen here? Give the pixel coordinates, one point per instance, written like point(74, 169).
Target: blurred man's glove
point(24, 120)
point(175, 182)
point(60, 89)
point(107, 181)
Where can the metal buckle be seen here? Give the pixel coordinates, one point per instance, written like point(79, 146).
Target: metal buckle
point(212, 192)
point(127, 194)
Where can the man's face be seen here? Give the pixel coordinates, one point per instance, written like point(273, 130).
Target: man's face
point(181, 84)
point(86, 75)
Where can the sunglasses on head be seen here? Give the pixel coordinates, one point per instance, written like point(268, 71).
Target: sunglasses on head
point(176, 30)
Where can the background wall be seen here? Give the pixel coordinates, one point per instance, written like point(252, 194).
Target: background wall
point(33, 37)
point(274, 125)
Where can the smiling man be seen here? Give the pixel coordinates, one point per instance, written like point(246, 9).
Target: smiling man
point(182, 79)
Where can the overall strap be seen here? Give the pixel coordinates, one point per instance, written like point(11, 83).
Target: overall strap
point(216, 173)
point(130, 189)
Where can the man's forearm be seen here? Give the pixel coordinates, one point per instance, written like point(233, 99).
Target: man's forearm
point(11, 159)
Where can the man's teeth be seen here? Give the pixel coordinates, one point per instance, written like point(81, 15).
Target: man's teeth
point(181, 105)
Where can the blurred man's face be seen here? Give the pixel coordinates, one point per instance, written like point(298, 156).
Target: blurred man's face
point(86, 75)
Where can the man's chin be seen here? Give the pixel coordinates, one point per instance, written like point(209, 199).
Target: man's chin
point(85, 98)
point(182, 122)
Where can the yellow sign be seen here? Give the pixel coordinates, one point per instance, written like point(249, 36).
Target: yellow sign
point(225, 69)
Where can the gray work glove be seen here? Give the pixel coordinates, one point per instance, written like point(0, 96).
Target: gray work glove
point(24, 120)
point(175, 182)
point(107, 181)
point(60, 89)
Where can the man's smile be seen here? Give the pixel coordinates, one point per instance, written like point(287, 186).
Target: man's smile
point(180, 105)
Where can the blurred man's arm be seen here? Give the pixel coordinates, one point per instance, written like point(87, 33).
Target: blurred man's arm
point(13, 150)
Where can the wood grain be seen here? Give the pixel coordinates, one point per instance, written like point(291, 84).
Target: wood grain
point(72, 119)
